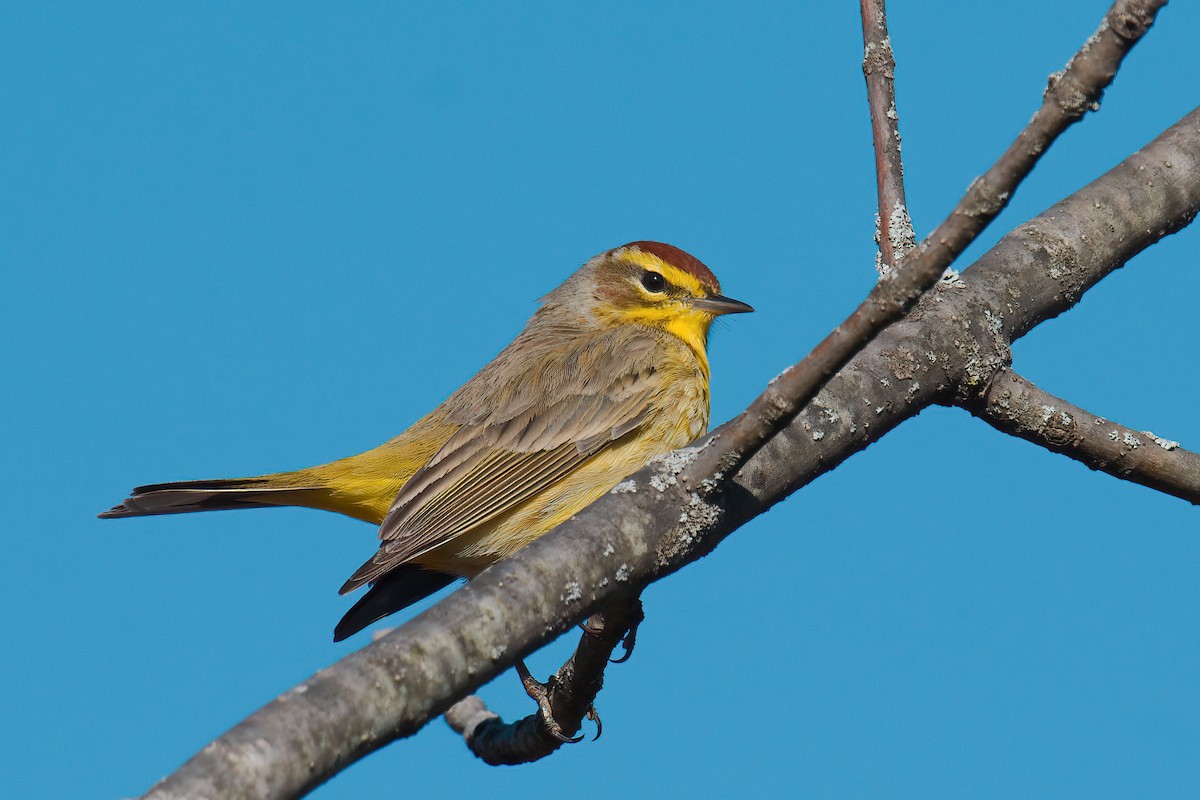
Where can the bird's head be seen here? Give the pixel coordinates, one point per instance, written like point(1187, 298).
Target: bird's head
point(652, 284)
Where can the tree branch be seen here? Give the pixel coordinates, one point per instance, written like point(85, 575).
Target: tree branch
point(1015, 406)
point(1069, 95)
point(572, 691)
point(894, 229)
point(951, 345)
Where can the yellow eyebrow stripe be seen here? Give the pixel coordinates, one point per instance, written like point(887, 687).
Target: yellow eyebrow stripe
point(649, 261)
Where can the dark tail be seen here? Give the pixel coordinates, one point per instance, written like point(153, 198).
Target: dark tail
point(182, 497)
point(399, 588)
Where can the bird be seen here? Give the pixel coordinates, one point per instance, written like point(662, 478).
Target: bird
point(609, 372)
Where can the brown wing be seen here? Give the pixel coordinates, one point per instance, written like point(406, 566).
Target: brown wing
point(510, 453)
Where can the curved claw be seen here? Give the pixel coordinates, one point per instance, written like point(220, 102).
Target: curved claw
point(555, 731)
point(594, 716)
point(628, 643)
point(630, 638)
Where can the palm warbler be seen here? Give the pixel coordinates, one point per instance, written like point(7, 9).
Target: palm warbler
point(610, 372)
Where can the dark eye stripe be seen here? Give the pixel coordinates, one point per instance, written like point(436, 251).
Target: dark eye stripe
point(653, 281)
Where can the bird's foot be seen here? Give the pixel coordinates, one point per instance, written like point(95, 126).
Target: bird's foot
point(540, 693)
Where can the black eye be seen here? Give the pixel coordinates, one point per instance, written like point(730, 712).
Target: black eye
point(653, 281)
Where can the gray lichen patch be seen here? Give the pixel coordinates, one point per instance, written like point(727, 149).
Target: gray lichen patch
point(1165, 444)
point(951, 279)
point(710, 485)
point(669, 465)
point(982, 353)
point(661, 484)
point(696, 519)
point(900, 230)
point(573, 592)
point(1058, 427)
point(903, 364)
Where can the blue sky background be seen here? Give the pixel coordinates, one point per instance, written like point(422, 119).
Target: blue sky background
point(238, 239)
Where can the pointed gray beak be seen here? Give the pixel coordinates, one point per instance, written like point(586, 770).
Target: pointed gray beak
point(718, 304)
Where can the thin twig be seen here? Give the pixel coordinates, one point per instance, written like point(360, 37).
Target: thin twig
point(572, 692)
point(1069, 95)
point(1015, 406)
point(894, 230)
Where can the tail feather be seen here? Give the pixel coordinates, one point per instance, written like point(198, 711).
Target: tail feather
point(398, 589)
point(181, 497)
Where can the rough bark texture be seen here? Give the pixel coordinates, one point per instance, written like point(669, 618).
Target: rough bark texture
point(949, 349)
